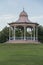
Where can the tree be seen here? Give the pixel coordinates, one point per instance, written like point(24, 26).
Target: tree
point(4, 35)
point(40, 33)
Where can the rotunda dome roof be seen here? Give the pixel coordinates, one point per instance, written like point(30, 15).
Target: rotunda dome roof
point(23, 13)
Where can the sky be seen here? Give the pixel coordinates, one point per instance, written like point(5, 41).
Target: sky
point(10, 10)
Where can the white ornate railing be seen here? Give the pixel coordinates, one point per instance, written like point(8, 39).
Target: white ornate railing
point(21, 38)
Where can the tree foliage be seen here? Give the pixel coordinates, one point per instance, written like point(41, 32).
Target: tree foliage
point(4, 35)
point(40, 33)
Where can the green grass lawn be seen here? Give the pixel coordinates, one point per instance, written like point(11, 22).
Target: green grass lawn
point(21, 54)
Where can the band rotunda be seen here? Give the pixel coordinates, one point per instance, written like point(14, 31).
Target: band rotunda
point(23, 30)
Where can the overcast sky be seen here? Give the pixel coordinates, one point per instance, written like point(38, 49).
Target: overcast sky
point(10, 10)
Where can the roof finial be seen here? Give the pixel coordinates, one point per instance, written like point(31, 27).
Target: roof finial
point(23, 8)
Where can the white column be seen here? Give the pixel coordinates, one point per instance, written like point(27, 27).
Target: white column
point(14, 32)
point(37, 33)
point(24, 33)
point(34, 32)
point(31, 34)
